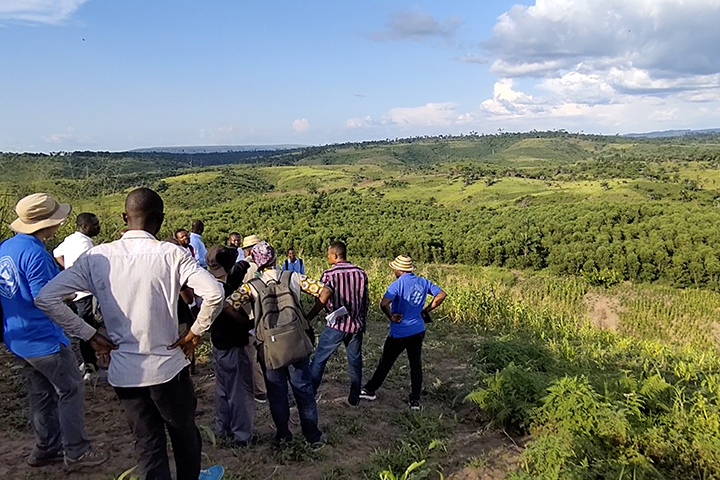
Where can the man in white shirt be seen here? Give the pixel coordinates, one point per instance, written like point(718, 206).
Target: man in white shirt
point(137, 282)
point(196, 241)
point(65, 254)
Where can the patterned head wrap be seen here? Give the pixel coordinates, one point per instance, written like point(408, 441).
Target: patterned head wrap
point(263, 255)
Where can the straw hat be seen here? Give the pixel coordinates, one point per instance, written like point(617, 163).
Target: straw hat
point(402, 263)
point(250, 241)
point(38, 211)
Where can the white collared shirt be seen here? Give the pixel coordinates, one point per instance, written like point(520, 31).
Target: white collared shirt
point(137, 282)
point(70, 249)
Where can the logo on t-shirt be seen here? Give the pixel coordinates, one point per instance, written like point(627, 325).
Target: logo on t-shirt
point(8, 277)
point(417, 296)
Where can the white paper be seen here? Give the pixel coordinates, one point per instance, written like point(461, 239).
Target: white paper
point(331, 319)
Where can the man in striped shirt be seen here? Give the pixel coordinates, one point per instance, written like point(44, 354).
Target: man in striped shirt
point(350, 290)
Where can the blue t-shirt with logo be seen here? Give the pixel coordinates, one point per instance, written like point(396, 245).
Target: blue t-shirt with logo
point(25, 267)
point(408, 294)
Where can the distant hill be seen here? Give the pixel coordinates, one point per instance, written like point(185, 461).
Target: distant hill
point(192, 150)
point(672, 133)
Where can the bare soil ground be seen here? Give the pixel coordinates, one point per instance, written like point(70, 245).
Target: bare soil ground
point(603, 311)
point(359, 439)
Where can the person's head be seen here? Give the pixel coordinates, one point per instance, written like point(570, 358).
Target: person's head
point(336, 252)
point(198, 227)
point(248, 243)
point(220, 260)
point(88, 224)
point(234, 240)
point(263, 254)
point(39, 215)
point(401, 265)
point(291, 254)
point(182, 236)
point(144, 210)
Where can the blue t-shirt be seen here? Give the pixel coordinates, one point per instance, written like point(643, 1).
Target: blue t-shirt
point(25, 267)
point(408, 294)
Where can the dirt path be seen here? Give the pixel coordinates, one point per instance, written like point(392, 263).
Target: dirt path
point(361, 441)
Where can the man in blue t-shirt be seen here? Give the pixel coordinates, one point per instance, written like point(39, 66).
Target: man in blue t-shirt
point(55, 385)
point(404, 304)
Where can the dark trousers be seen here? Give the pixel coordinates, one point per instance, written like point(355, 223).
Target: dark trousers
point(84, 309)
point(391, 351)
point(300, 379)
point(57, 404)
point(150, 410)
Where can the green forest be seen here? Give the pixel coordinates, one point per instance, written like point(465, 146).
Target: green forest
point(523, 228)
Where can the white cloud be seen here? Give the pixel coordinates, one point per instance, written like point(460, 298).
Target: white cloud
point(39, 11)
point(431, 114)
point(360, 122)
point(61, 137)
point(301, 125)
point(472, 58)
point(417, 25)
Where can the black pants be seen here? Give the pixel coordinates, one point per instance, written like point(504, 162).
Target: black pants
point(391, 351)
point(84, 309)
point(150, 410)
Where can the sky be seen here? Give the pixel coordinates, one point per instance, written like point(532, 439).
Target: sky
point(118, 75)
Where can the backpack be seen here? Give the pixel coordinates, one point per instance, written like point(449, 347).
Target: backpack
point(280, 324)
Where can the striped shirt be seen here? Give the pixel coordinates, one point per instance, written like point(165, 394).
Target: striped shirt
point(350, 289)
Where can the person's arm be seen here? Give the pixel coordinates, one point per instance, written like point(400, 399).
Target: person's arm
point(59, 254)
point(317, 289)
point(50, 299)
point(386, 307)
point(206, 287)
point(320, 302)
point(436, 301)
point(60, 260)
point(302, 266)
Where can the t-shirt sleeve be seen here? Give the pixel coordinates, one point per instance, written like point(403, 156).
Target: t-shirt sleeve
point(310, 286)
point(392, 291)
point(240, 297)
point(40, 270)
point(432, 289)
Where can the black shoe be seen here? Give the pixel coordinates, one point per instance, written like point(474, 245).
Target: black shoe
point(415, 405)
point(367, 395)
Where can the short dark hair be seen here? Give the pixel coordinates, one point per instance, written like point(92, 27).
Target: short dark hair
point(288, 250)
point(84, 218)
point(180, 230)
point(338, 248)
point(197, 225)
point(234, 233)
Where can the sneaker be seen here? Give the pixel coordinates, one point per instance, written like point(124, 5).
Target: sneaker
point(352, 402)
point(40, 461)
point(318, 445)
point(91, 458)
point(414, 405)
point(367, 395)
point(261, 398)
point(215, 472)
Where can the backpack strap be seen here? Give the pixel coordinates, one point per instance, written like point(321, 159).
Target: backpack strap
point(285, 278)
point(260, 288)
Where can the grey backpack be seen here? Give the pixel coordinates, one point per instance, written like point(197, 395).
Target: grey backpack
point(280, 325)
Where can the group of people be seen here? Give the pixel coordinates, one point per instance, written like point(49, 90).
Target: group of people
point(260, 334)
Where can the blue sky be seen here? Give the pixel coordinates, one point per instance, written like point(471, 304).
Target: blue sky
point(102, 75)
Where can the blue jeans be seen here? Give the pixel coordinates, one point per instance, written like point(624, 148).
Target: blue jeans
point(276, 381)
point(329, 342)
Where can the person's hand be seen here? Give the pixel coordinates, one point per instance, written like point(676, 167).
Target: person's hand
point(188, 342)
point(102, 346)
point(396, 318)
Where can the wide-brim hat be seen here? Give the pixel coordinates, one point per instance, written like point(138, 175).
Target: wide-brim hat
point(38, 211)
point(220, 260)
point(250, 241)
point(402, 263)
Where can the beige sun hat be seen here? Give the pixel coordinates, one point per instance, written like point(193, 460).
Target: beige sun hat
point(402, 263)
point(250, 241)
point(38, 211)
